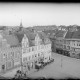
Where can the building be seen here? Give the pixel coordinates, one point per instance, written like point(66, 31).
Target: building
point(25, 49)
point(59, 40)
point(10, 53)
point(73, 41)
point(35, 50)
point(62, 27)
point(68, 42)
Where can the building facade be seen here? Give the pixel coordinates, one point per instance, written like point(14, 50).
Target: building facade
point(33, 54)
point(10, 56)
point(68, 43)
point(26, 55)
point(73, 47)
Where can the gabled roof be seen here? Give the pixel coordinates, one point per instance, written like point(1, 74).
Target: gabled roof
point(74, 35)
point(29, 34)
point(69, 34)
point(31, 37)
point(44, 37)
point(11, 40)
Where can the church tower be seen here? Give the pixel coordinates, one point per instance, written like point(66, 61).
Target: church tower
point(21, 23)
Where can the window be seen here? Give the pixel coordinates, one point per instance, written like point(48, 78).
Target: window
point(3, 67)
point(24, 59)
point(4, 55)
point(35, 55)
point(74, 49)
point(77, 45)
point(12, 54)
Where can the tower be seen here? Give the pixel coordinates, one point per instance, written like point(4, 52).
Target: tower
point(21, 23)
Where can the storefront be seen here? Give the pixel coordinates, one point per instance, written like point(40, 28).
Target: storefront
point(3, 68)
point(66, 53)
point(59, 51)
point(9, 64)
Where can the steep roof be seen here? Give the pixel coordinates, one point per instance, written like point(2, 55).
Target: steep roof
point(69, 34)
point(11, 40)
point(29, 34)
point(44, 38)
point(31, 37)
point(74, 35)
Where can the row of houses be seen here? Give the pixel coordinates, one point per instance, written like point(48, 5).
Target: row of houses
point(10, 53)
point(31, 50)
point(67, 43)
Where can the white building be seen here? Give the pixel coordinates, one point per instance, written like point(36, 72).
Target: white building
point(31, 54)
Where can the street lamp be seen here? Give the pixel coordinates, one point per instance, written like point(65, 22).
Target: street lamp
point(61, 61)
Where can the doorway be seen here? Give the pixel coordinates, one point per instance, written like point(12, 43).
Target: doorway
point(3, 68)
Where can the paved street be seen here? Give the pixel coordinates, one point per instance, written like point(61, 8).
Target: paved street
point(11, 73)
point(62, 67)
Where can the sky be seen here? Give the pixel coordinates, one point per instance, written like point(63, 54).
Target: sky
point(34, 14)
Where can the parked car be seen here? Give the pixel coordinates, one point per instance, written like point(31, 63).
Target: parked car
point(38, 66)
point(52, 60)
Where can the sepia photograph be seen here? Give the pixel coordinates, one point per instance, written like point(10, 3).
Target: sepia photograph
point(39, 40)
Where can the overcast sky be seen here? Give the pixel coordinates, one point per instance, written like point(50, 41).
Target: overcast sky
point(33, 14)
